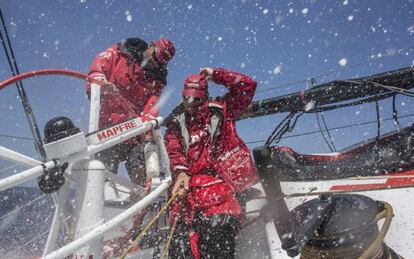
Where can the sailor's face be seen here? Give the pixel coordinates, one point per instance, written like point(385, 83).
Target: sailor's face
point(193, 104)
point(151, 58)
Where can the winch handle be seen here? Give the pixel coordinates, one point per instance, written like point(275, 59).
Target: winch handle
point(280, 213)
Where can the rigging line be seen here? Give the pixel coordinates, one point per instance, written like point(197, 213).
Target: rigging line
point(276, 137)
point(25, 244)
point(22, 227)
point(23, 206)
point(23, 97)
point(10, 56)
point(16, 137)
point(395, 114)
point(281, 86)
point(30, 241)
point(335, 71)
point(288, 127)
point(13, 166)
point(365, 62)
point(330, 143)
point(336, 128)
point(3, 42)
point(295, 121)
point(327, 131)
point(394, 89)
point(16, 68)
point(388, 87)
point(8, 168)
point(288, 117)
point(378, 117)
point(361, 101)
point(280, 130)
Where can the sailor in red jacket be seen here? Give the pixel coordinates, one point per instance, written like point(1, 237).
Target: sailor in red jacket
point(210, 163)
point(135, 74)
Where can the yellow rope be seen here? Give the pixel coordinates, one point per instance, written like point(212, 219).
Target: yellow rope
point(149, 225)
point(167, 245)
point(349, 251)
point(387, 213)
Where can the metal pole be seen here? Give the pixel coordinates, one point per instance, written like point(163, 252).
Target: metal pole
point(92, 149)
point(152, 163)
point(279, 212)
point(109, 225)
point(163, 151)
point(18, 158)
point(273, 240)
point(59, 201)
point(25, 175)
point(90, 202)
point(95, 107)
point(89, 180)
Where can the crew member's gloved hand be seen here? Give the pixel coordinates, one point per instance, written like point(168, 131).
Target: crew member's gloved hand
point(109, 87)
point(147, 117)
point(207, 72)
point(151, 108)
point(118, 118)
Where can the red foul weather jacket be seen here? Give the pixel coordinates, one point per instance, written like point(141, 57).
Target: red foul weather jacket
point(209, 150)
point(135, 84)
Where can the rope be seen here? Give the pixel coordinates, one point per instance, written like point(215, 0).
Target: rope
point(12, 253)
point(365, 250)
point(285, 120)
point(281, 130)
point(378, 118)
point(136, 223)
point(8, 168)
point(14, 165)
point(395, 114)
point(393, 89)
point(149, 225)
point(20, 246)
point(329, 143)
point(21, 207)
point(170, 236)
point(387, 213)
point(15, 137)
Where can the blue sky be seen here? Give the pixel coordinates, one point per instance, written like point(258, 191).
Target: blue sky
point(276, 42)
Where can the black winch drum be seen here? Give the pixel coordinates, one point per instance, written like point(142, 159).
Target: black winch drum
point(350, 230)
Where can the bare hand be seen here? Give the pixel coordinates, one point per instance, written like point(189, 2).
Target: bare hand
point(207, 72)
point(181, 183)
